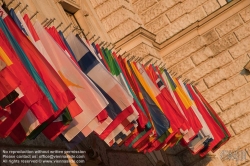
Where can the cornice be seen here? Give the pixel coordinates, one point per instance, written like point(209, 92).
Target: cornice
point(197, 28)
point(139, 31)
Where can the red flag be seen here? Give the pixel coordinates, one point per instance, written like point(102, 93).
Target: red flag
point(57, 88)
point(18, 110)
point(33, 96)
point(56, 127)
point(213, 126)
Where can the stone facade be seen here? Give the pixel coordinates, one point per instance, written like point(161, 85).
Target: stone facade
point(213, 56)
point(206, 41)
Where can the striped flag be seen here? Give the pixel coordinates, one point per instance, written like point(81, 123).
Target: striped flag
point(98, 73)
point(205, 133)
point(188, 135)
point(103, 114)
point(116, 72)
point(87, 95)
point(33, 97)
point(219, 132)
point(41, 71)
point(27, 126)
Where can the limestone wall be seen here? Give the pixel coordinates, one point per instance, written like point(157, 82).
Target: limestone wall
point(206, 41)
point(216, 60)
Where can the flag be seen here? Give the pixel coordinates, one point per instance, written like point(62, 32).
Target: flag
point(103, 114)
point(66, 44)
point(216, 119)
point(33, 96)
point(113, 111)
point(170, 109)
point(159, 119)
point(110, 139)
point(143, 121)
point(42, 72)
point(217, 133)
point(188, 135)
point(87, 95)
point(142, 133)
point(97, 72)
point(53, 32)
point(117, 73)
point(66, 97)
point(73, 109)
point(205, 130)
point(100, 53)
point(17, 21)
point(18, 109)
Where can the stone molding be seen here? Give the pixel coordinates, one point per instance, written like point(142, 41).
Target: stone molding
point(143, 50)
point(196, 29)
point(70, 5)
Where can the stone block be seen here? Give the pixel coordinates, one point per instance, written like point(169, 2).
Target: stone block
point(241, 124)
point(238, 157)
point(183, 66)
point(143, 50)
point(190, 5)
point(223, 43)
point(175, 12)
point(183, 51)
point(119, 16)
point(197, 15)
point(142, 5)
point(228, 25)
point(237, 110)
point(229, 128)
point(243, 31)
point(223, 88)
point(210, 6)
point(93, 3)
point(236, 96)
point(173, 29)
point(226, 71)
point(208, 66)
point(237, 81)
point(247, 148)
point(123, 29)
point(245, 14)
point(222, 2)
point(216, 107)
point(235, 144)
point(201, 86)
point(133, 1)
point(96, 3)
point(110, 6)
point(210, 36)
point(156, 10)
point(240, 48)
point(201, 55)
point(247, 77)
point(157, 23)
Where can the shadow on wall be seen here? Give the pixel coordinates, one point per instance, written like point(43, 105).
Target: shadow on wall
point(245, 72)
